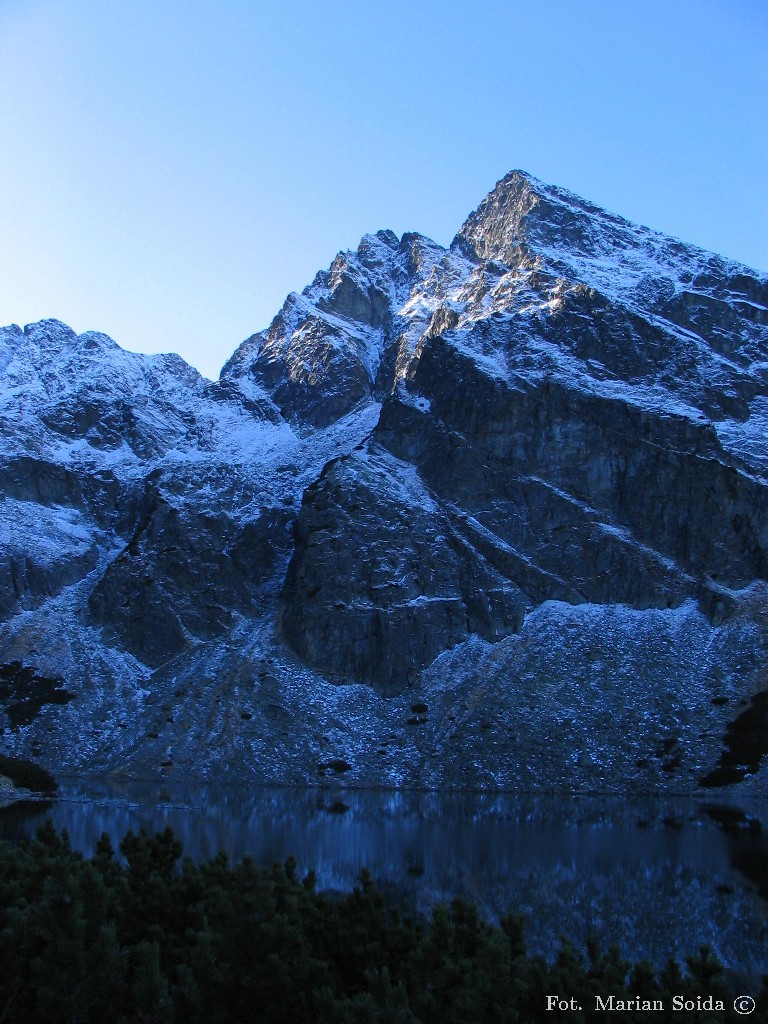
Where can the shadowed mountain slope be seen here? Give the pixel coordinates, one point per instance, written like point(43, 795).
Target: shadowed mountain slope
point(490, 515)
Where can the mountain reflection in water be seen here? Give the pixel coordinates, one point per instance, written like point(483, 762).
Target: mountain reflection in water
point(659, 877)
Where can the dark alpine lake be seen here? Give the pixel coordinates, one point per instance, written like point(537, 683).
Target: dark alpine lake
point(660, 877)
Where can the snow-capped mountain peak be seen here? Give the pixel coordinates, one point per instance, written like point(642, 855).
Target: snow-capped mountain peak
point(522, 478)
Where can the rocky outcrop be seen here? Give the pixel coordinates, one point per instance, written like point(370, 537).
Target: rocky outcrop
point(182, 578)
point(320, 357)
point(570, 439)
point(486, 515)
point(383, 579)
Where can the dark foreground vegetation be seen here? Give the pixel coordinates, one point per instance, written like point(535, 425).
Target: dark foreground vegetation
point(150, 939)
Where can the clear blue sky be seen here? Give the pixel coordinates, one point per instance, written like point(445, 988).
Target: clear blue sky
point(172, 168)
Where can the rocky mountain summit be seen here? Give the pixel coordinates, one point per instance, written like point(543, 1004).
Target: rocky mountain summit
point(494, 515)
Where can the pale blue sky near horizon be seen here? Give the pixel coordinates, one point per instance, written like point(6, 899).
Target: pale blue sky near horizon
point(171, 170)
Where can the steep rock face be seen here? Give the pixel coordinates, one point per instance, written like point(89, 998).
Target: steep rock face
point(382, 580)
point(587, 447)
point(182, 577)
point(486, 515)
point(319, 358)
point(173, 491)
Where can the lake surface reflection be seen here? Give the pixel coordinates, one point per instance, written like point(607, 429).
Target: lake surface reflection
point(660, 877)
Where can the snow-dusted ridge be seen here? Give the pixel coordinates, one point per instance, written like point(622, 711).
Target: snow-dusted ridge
point(433, 465)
